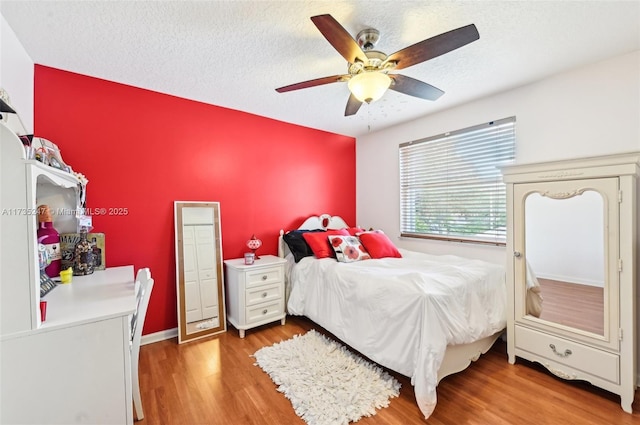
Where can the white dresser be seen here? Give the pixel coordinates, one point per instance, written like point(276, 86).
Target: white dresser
point(255, 293)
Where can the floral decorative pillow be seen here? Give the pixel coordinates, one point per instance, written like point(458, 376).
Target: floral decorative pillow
point(348, 249)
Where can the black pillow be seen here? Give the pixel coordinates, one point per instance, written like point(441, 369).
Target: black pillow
point(297, 245)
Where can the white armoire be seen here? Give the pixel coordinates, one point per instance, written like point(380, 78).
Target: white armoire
point(571, 267)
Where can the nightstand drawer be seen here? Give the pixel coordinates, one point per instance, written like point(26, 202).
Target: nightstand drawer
point(261, 294)
point(580, 358)
point(263, 312)
point(264, 276)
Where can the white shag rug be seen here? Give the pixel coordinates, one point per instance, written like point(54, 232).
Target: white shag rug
point(325, 382)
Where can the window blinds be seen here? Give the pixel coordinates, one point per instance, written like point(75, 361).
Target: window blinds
point(451, 187)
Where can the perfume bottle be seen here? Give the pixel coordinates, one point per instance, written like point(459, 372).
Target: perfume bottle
point(50, 238)
point(83, 260)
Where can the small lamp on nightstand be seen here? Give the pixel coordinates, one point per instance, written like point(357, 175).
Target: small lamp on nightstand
point(253, 244)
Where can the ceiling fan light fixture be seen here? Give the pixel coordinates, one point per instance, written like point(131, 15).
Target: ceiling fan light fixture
point(369, 86)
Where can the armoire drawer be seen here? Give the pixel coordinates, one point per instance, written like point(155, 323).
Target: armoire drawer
point(576, 356)
point(261, 294)
point(264, 276)
point(263, 312)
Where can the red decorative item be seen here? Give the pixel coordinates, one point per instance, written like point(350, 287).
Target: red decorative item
point(253, 244)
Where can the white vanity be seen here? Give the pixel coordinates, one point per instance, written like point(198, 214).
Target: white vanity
point(572, 239)
point(75, 367)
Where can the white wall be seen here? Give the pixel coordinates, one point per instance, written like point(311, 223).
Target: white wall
point(16, 74)
point(565, 237)
point(589, 111)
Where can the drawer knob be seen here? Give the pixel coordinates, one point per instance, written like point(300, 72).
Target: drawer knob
point(265, 311)
point(566, 353)
point(264, 277)
point(264, 294)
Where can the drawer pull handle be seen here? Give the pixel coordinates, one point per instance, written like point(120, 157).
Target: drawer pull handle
point(264, 294)
point(566, 353)
point(264, 277)
point(265, 311)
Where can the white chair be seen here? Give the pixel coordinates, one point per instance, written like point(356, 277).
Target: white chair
point(144, 286)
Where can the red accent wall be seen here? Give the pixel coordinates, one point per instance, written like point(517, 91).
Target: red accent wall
point(143, 150)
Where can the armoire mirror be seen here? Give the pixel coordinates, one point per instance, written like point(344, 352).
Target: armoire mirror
point(199, 270)
point(565, 245)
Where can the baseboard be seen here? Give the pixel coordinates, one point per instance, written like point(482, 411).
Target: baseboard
point(159, 336)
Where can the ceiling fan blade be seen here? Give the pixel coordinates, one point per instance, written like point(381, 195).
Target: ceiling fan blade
point(313, 83)
point(353, 105)
point(413, 87)
point(339, 38)
point(434, 46)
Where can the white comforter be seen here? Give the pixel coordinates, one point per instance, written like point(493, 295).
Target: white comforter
point(402, 312)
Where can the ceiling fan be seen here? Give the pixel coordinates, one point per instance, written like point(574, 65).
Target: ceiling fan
point(369, 70)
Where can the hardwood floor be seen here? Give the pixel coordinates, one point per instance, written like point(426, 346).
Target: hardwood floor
point(214, 381)
point(572, 304)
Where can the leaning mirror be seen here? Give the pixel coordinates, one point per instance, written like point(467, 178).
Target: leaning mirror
point(199, 269)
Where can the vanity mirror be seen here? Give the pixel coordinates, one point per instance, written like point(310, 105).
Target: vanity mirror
point(199, 268)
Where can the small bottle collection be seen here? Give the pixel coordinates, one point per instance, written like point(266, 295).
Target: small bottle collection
point(60, 259)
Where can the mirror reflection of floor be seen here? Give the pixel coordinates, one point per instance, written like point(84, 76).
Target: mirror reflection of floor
point(201, 325)
point(572, 304)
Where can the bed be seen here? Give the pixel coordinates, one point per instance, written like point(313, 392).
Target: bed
point(421, 315)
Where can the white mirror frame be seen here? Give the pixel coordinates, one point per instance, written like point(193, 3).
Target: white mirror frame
point(184, 335)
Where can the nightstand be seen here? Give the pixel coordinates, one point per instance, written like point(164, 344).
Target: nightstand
point(255, 293)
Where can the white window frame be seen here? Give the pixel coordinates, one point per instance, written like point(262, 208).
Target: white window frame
point(453, 175)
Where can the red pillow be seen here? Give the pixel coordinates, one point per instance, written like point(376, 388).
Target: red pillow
point(319, 242)
point(378, 244)
point(353, 230)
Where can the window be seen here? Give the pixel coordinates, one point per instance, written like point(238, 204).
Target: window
point(451, 187)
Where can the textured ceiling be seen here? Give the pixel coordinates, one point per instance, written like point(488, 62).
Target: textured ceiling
point(235, 53)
